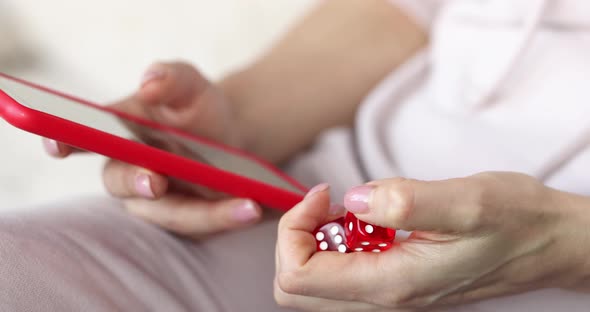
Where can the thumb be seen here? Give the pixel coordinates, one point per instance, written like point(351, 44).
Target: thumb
point(441, 206)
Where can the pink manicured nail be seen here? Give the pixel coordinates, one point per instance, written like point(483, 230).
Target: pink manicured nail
point(357, 199)
point(143, 185)
point(51, 147)
point(316, 189)
point(151, 75)
point(246, 212)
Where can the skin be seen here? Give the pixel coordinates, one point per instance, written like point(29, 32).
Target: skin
point(316, 75)
point(478, 237)
point(475, 237)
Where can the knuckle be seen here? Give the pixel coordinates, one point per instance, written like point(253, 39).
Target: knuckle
point(401, 298)
point(516, 189)
point(181, 227)
point(107, 180)
point(476, 196)
point(188, 226)
point(134, 208)
point(481, 191)
point(164, 219)
point(399, 195)
point(108, 187)
point(288, 283)
point(158, 65)
point(184, 66)
point(282, 224)
point(210, 220)
point(173, 224)
point(397, 180)
point(281, 298)
point(285, 222)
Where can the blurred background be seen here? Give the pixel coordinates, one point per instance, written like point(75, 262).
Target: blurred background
point(98, 51)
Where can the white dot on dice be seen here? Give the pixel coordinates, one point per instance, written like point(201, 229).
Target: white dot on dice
point(383, 245)
point(369, 228)
point(365, 243)
point(323, 245)
point(350, 226)
point(338, 239)
point(334, 230)
point(358, 249)
point(376, 250)
point(319, 236)
point(342, 248)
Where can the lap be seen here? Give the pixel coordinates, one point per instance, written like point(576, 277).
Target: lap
point(89, 255)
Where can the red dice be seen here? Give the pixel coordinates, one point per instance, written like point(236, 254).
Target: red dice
point(362, 236)
point(331, 236)
point(351, 234)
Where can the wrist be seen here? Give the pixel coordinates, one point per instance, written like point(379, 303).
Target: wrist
point(242, 130)
point(258, 114)
point(574, 239)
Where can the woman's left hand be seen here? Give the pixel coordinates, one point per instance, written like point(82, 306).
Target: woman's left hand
point(482, 236)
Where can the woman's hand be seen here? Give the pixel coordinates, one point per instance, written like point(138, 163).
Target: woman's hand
point(292, 84)
point(487, 235)
point(176, 95)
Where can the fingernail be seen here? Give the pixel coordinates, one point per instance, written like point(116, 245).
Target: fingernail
point(336, 209)
point(316, 189)
point(143, 185)
point(51, 147)
point(151, 75)
point(356, 199)
point(246, 212)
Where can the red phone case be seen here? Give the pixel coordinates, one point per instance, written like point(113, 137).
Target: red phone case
point(145, 156)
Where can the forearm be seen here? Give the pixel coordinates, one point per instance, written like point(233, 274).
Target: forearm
point(315, 77)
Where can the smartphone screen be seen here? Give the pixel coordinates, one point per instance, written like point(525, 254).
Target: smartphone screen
point(93, 117)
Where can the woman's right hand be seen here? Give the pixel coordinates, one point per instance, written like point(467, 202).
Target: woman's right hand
point(177, 95)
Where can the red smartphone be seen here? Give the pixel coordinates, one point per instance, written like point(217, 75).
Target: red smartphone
point(140, 142)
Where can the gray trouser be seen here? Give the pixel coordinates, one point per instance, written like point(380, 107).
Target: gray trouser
point(89, 255)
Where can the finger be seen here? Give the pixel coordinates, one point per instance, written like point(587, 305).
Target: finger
point(443, 206)
point(177, 96)
point(307, 303)
point(331, 275)
point(170, 84)
point(194, 217)
point(58, 149)
point(182, 98)
point(166, 94)
point(296, 246)
point(296, 242)
point(124, 180)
